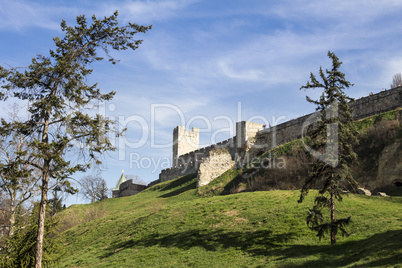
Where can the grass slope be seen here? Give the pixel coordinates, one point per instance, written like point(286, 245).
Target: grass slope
point(170, 225)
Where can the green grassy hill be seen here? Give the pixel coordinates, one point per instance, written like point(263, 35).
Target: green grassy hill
point(171, 225)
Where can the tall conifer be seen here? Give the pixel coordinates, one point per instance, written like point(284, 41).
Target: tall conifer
point(332, 143)
point(59, 96)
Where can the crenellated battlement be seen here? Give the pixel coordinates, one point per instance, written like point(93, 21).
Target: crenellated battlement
point(184, 141)
point(253, 138)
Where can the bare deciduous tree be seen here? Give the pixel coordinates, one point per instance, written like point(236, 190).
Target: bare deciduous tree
point(17, 179)
point(396, 80)
point(93, 188)
point(4, 212)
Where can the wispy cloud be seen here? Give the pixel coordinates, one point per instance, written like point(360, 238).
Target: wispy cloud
point(147, 11)
point(19, 15)
point(359, 11)
point(22, 14)
point(228, 70)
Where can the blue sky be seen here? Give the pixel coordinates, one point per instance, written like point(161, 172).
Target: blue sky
point(205, 62)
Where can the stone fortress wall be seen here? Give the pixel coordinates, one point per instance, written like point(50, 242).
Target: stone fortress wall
point(189, 163)
point(128, 188)
point(378, 103)
point(254, 138)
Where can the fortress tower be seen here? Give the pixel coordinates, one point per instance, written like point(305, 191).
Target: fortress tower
point(184, 141)
point(253, 139)
point(245, 131)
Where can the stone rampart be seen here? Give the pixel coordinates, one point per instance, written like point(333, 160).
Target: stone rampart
point(189, 163)
point(128, 188)
point(269, 138)
point(272, 137)
point(377, 103)
point(214, 165)
point(254, 138)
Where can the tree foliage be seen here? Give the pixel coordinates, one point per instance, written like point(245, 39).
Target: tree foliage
point(56, 203)
point(17, 177)
point(59, 97)
point(19, 248)
point(94, 188)
point(332, 142)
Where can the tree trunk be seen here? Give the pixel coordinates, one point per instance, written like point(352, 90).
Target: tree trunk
point(42, 214)
point(43, 201)
point(11, 229)
point(333, 227)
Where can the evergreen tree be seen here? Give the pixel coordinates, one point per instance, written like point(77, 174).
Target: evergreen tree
point(19, 249)
point(332, 142)
point(55, 203)
point(59, 96)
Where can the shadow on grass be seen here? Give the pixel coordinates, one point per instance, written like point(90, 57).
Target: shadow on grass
point(377, 250)
point(382, 249)
point(256, 243)
point(182, 184)
point(232, 184)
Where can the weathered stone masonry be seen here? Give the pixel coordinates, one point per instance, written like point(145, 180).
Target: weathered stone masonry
point(216, 163)
point(128, 188)
point(291, 130)
point(184, 141)
point(253, 138)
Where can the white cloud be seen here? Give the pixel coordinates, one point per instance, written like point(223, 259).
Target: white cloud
point(245, 74)
point(147, 11)
point(19, 15)
point(359, 11)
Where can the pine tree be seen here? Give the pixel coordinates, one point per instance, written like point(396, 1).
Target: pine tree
point(55, 203)
point(19, 249)
point(59, 97)
point(332, 142)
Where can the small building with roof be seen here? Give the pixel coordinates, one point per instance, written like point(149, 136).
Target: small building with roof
point(126, 187)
